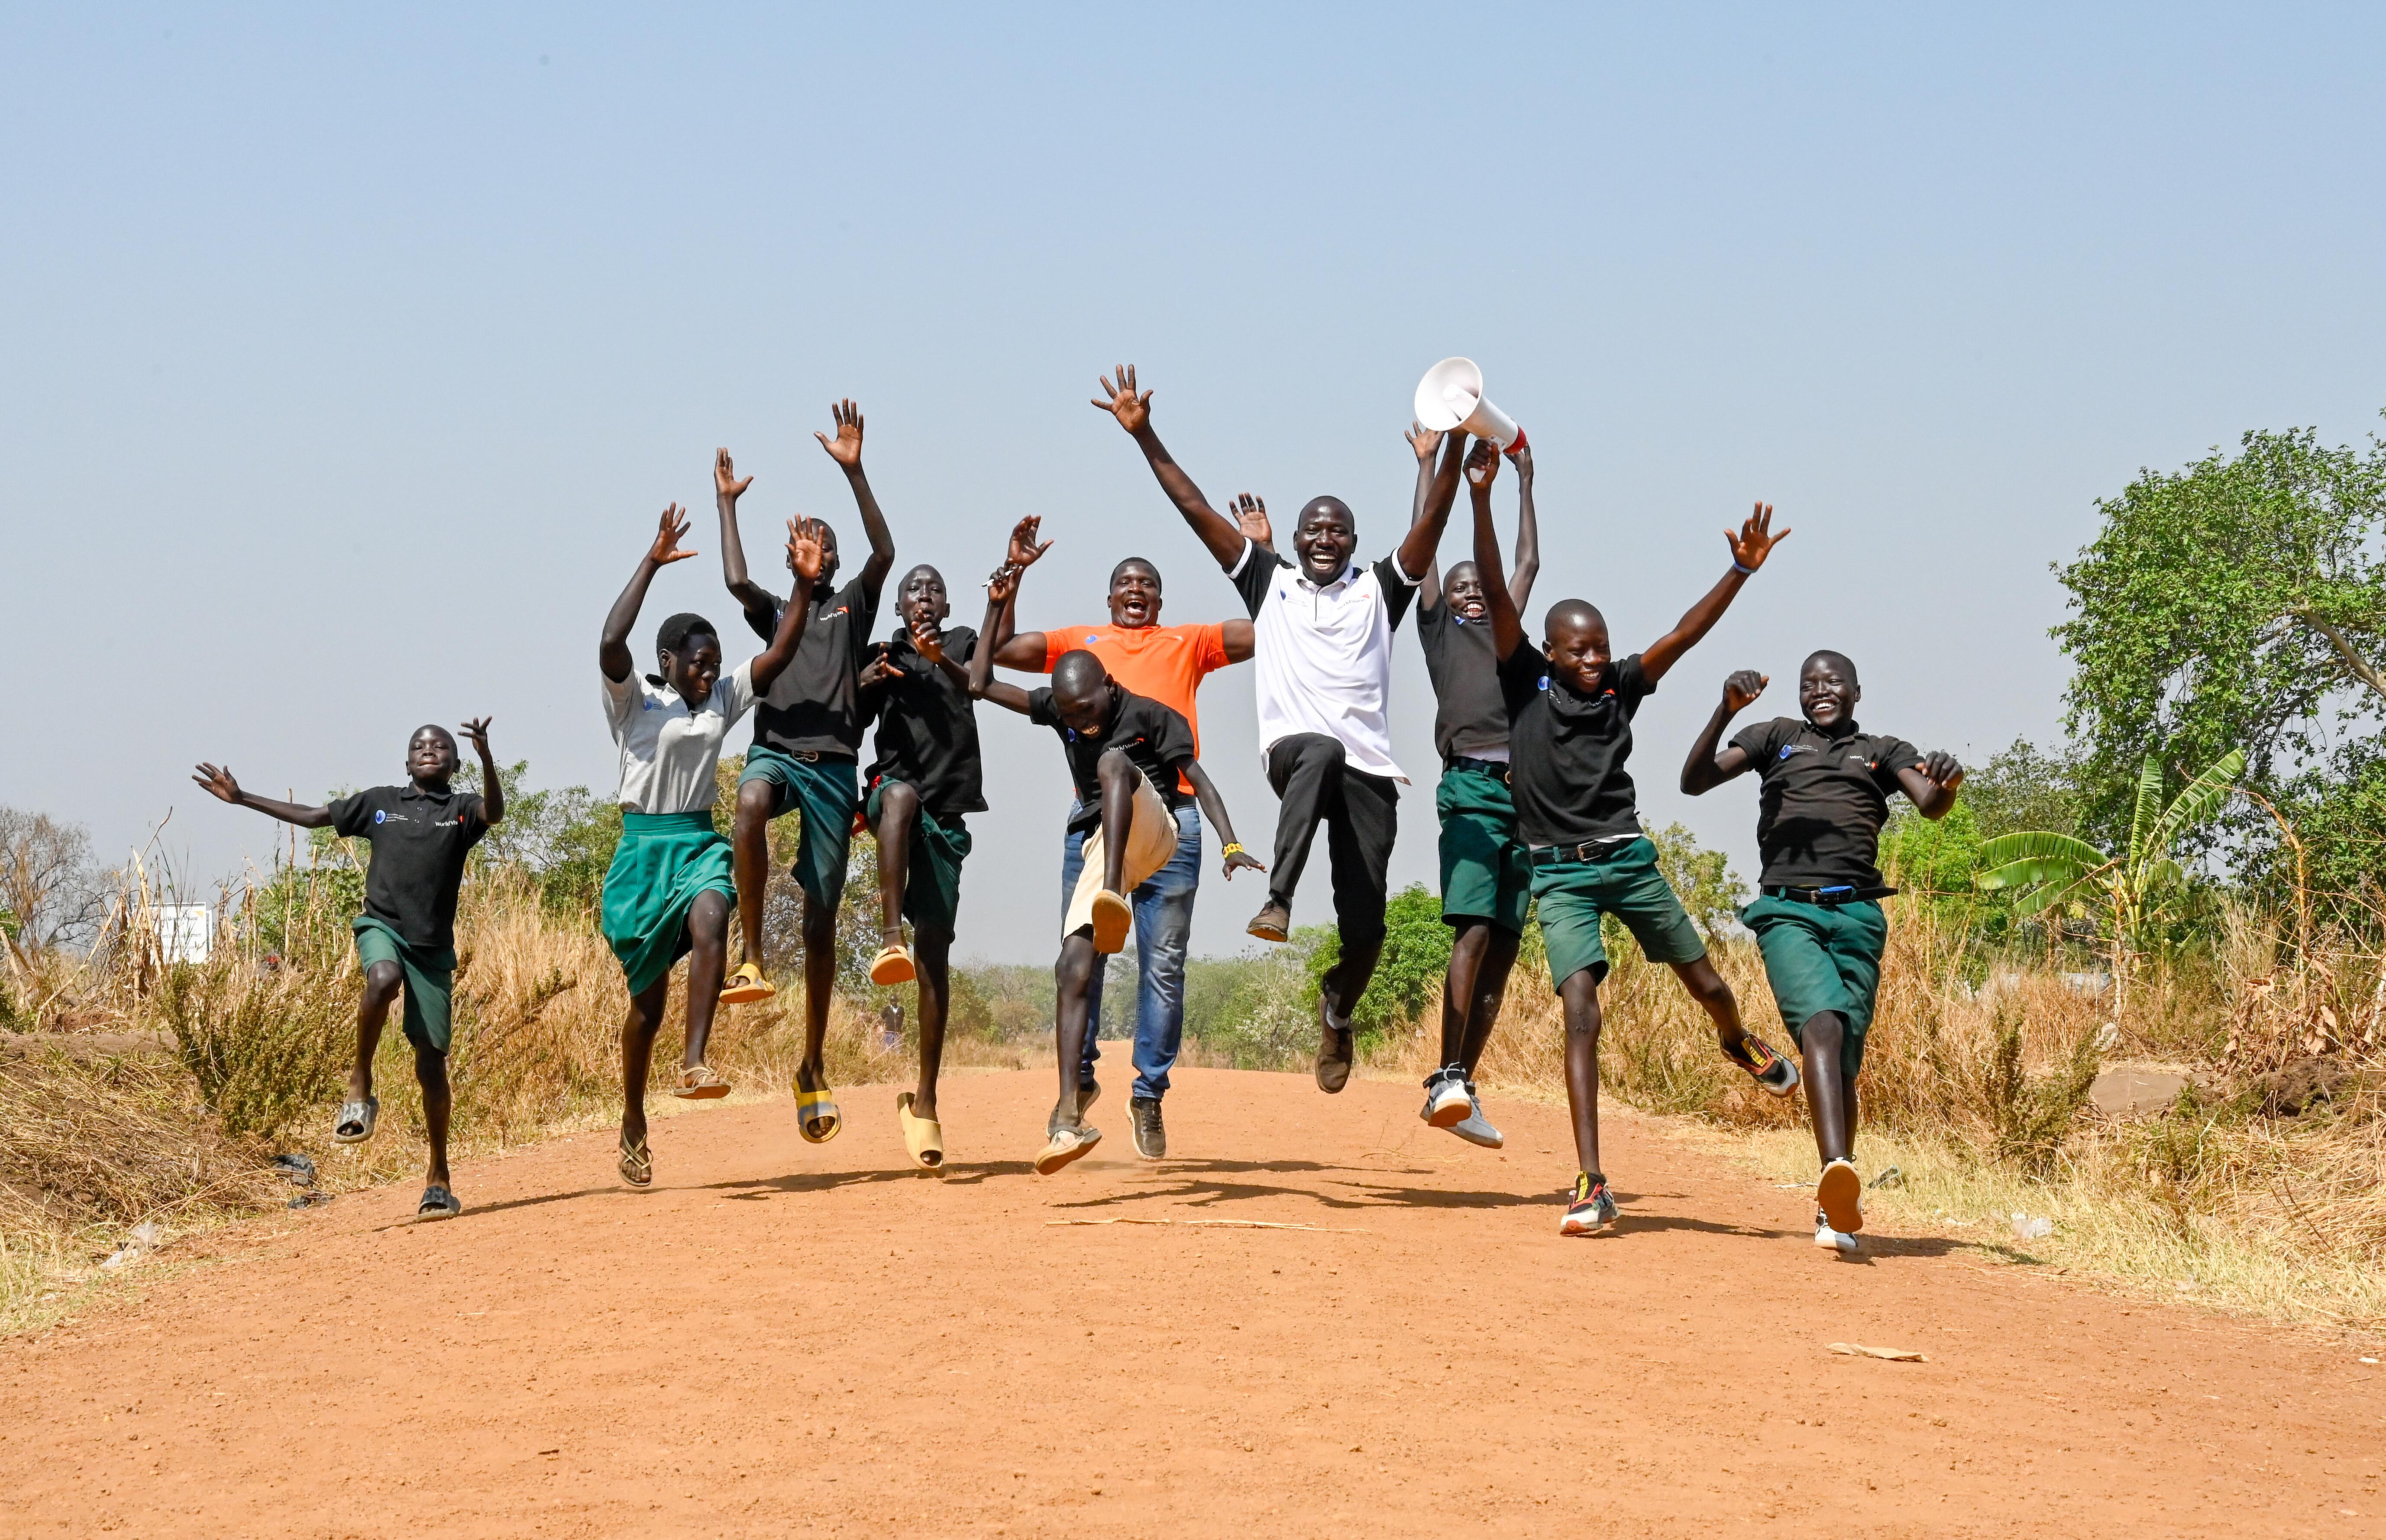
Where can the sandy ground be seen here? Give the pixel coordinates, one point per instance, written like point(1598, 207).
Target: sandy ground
point(785, 1338)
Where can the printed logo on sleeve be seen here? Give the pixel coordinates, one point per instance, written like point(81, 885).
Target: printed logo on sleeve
point(380, 815)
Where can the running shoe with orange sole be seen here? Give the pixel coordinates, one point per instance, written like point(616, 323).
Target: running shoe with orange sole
point(1768, 1068)
point(1593, 1208)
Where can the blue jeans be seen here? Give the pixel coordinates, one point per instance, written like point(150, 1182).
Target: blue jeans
point(1164, 930)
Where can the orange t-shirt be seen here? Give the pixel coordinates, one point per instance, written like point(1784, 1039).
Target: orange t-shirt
point(1161, 663)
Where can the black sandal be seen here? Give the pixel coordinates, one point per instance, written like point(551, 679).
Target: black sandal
point(438, 1203)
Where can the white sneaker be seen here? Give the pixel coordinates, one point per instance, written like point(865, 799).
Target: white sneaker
point(1833, 1240)
point(1446, 1101)
point(1476, 1129)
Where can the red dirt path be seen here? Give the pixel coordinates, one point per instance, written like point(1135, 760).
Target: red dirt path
point(784, 1338)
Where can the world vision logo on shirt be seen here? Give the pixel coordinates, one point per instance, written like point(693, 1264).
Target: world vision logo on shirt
point(380, 815)
point(1789, 749)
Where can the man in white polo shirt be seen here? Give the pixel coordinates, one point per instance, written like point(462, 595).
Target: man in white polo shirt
point(1322, 653)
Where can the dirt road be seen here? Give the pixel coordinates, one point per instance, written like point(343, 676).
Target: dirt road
point(783, 1338)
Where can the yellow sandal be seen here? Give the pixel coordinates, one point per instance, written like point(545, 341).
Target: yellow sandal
point(925, 1137)
point(817, 1118)
point(747, 985)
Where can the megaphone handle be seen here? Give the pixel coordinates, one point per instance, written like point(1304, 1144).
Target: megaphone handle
point(1510, 450)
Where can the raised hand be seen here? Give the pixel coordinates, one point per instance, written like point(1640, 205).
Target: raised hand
point(1942, 769)
point(218, 780)
point(1523, 456)
point(1133, 411)
point(1025, 551)
point(1001, 585)
point(1242, 860)
point(1742, 688)
point(880, 669)
point(1482, 463)
point(926, 639)
point(1755, 540)
point(669, 532)
point(845, 448)
point(804, 548)
point(724, 477)
point(1250, 517)
point(477, 729)
point(1423, 440)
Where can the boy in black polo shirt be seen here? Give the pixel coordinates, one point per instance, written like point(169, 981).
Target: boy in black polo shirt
point(925, 780)
point(1121, 748)
point(1570, 711)
point(405, 938)
point(807, 746)
point(1824, 795)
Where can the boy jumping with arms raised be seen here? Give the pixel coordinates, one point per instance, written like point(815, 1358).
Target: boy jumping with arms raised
point(406, 939)
point(1822, 795)
point(1570, 708)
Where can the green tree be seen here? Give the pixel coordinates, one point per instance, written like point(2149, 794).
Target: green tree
point(1416, 956)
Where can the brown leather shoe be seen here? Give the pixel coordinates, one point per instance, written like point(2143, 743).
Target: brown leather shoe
point(1274, 922)
point(1335, 1049)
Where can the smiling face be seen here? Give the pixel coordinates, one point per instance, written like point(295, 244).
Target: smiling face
point(922, 595)
point(1323, 537)
point(430, 756)
point(826, 582)
point(1577, 646)
point(1464, 584)
point(1828, 691)
point(692, 670)
point(1135, 594)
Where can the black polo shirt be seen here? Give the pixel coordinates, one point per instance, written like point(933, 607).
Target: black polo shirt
point(1566, 750)
point(1469, 718)
point(927, 734)
point(1156, 738)
point(418, 844)
point(1824, 800)
point(813, 707)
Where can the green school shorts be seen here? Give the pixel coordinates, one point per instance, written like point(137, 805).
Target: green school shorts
point(825, 792)
point(932, 889)
point(1820, 958)
point(663, 862)
point(1572, 894)
point(430, 976)
point(1486, 873)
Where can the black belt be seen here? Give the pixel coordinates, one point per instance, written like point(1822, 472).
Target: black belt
point(1829, 898)
point(1498, 770)
point(1589, 850)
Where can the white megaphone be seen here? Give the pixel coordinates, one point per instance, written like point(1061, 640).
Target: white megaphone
point(1449, 398)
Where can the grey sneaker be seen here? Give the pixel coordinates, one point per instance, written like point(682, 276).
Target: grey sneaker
point(1446, 1102)
point(1476, 1129)
point(1150, 1133)
point(1833, 1240)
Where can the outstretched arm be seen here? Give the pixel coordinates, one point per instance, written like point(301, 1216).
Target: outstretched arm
point(1424, 441)
point(846, 450)
point(493, 790)
point(804, 558)
point(1423, 539)
point(1213, 807)
point(1748, 548)
point(983, 685)
point(1218, 532)
point(758, 603)
point(1507, 630)
point(1529, 533)
point(613, 646)
point(1024, 649)
point(218, 780)
point(1932, 784)
point(1707, 767)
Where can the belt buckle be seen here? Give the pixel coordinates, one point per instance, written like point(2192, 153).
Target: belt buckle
point(1583, 852)
point(808, 756)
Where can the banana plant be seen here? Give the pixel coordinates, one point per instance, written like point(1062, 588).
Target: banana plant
point(2049, 871)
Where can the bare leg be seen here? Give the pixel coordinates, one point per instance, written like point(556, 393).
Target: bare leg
point(1071, 974)
point(1580, 996)
point(1831, 1100)
point(749, 847)
point(431, 1073)
point(638, 1031)
point(820, 983)
point(898, 810)
point(1119, 778)
point(934, 954)
point(1490, 990)
point(383, 981)
point(707, 960)
point(1468, 939)
point(1706, 986)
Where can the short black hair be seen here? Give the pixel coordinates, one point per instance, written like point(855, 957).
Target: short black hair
point(433, 727)
point(673, 637)
point(1847, 665)
point(1137, 561)
point(1077, 670)
point(1331, 507)
point(1573, 612)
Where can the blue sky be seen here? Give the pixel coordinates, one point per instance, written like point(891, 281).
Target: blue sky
point(352, 353)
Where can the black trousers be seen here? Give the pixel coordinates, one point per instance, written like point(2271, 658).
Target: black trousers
point(1315, 781)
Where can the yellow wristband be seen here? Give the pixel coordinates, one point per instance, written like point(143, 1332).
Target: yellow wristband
point(1235, 848)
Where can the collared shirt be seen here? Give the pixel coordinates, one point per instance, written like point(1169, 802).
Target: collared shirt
point(927, 734)
point(812, 706)
point(1323, 653)
point(1824, 800)
point(1470, 719)
point(419, 840)
point(1162, 663)
point(1157, 738)
point(1568, 749)
point(669, 755)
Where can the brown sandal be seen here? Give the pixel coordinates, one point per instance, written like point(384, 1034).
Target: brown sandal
point(697, 1082)
point(637, 1166)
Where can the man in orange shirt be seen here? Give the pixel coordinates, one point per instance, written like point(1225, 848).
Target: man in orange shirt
point(1166, 664)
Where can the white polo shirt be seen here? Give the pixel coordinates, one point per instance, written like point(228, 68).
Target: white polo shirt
point(669, 755)
point(1323, 654)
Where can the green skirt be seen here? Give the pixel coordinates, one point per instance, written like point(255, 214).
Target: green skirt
point(663, 861)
